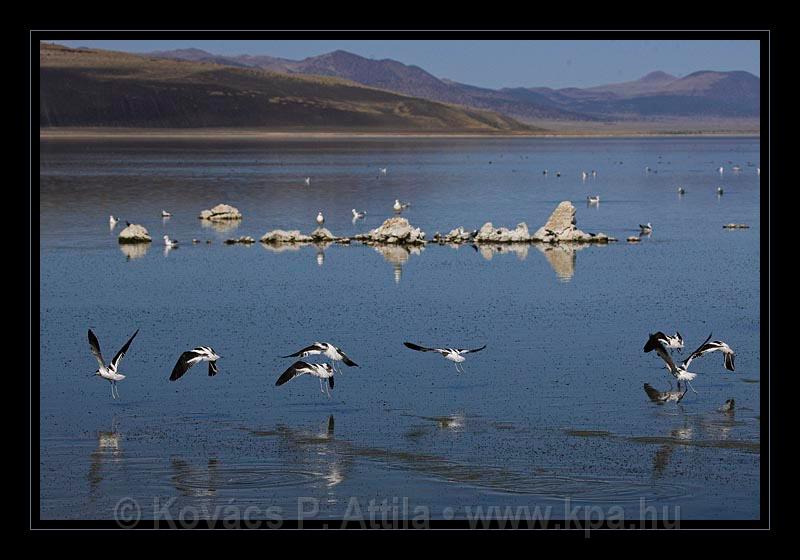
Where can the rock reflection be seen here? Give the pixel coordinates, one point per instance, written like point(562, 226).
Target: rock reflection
point(221, 226)
point(562, 258)
point(134, 250)
point(397, 256)
point(488, 250)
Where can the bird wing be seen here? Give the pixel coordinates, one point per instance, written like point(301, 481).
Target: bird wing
point(212, 368)
point(419, 348)
point(297, 368)
point(702, 349)
point(186, 361)
point(729, 362)
point(94, 344)
point(656, 345)
point(653, 339)
point(330, 382)
point(467, 351)
point(121, 354)
point(346, 359)
point(654, 394)
point(314, 349)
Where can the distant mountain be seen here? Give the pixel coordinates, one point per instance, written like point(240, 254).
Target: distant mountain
point(96, 88)
point(703, 94)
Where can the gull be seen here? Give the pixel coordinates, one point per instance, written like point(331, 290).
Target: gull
point(646, 228)
point(681, 190)
point(165, 214)
point(399, 207)
point(169, 242)
point(721, 170)
point(192, 357)
point(584, 175)
point(758, 171)
point(714, 346)
point(109, 372)
point(383, 170)
point(358, 215)
point(112, 221)
point(322, 371)
point(594, 173)
point(593, 199)
point(558, 173)
point(681, 373)
point(670, 342)
point(320, 219)
point(334, 353)
point(308, 180)
point(455, 355)
point(544, 172)
point(720, 191)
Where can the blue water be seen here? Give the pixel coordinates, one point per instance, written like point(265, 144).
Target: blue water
point(551, 413)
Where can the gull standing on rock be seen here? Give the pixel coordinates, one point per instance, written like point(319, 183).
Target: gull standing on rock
point(320, 219)
point(399, 207)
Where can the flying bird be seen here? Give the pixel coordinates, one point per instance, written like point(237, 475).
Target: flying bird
point(681, 373)
point(321, 371)
point(109, 371)
point(192, 357)
point(455, 355)
point(358, 215)
point(714, 346)
point(671, 342)
point(383, 170)
point(308, 180)
point(327, 349)
point(646, 228)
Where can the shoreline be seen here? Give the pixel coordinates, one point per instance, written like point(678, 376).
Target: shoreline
point(254, 134)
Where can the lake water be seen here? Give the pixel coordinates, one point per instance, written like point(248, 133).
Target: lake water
point(551, 414)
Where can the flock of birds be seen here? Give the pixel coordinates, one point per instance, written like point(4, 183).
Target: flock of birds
point(323, 371)
point(659, 342)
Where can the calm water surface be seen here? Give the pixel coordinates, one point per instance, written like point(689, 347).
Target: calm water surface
point(551, 413)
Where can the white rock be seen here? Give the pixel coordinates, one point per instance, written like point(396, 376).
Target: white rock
point(134, 233)
point(221, 212)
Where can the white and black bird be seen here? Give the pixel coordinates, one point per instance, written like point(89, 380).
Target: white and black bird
point(195, 356)
point(681, 190)
point(720, 191)
point(110, 371)
point(308, 181)
point(681, 373)
point(321, 371)
point(358, 215)
point(455, 355)
point(112, 221)
point(715, 346)
point(663, 396)
point(646, 228)
point(584, 175)
point(320, 219)
point(169, 242)
point(165, 214)
point(400, 206)
point(593, 199)
point(671, 342)
point(383, 170)
point(721, 170)
point(334, 353)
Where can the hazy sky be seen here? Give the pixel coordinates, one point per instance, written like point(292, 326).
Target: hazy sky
point(497, 64)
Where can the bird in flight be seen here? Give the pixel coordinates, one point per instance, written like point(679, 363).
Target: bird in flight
point(321, 371)
point(109, 371)
point(327, 349)
point(455, 355)
point(714, 346)
point(192, 357)
point(670, 342)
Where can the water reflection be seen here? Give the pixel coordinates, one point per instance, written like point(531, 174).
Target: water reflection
point(397, 256)
point(108, 450)
point(488, 251)
point(134, 250)
point(561, 258)
point(221, 226)
point(196, 482)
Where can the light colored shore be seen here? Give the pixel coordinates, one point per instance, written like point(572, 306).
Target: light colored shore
point(250, 134)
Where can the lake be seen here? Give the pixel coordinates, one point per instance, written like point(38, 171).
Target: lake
point(552, 414)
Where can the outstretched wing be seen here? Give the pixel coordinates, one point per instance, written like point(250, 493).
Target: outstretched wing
point(653, 394)
point(729, 365)
point(212, 368)
point(314, 349)
point(653, 343)
point(121, 354)
point(419, 348)
point(330, 382)
point(186, 361)
point(653, 339)
point(464, 351)
point(346, 359)
point(94, 344)
point(297, 368)
point(702, 349)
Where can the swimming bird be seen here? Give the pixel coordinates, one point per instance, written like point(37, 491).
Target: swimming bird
point(721, 170)
point(399, 207)
point(383, 170)
point(681, 190)
point(320, 219)
point(358, 215)
point(558, 173)
point(584, 175)
point(544, 172)
point(720, 191)
point(729, 405)
point(758, 171)
point(170, 242)
point(715, 346)
point(594, 173)
point(192, 357)
point(334, 353)
point(646, 228)
point(308, 180)
point(455, 355)
point(681, 373)
point(109, 371)
point(321, 371)
point(112, 221)
point(593, 199)
point(671, 342)
point(165, 214)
